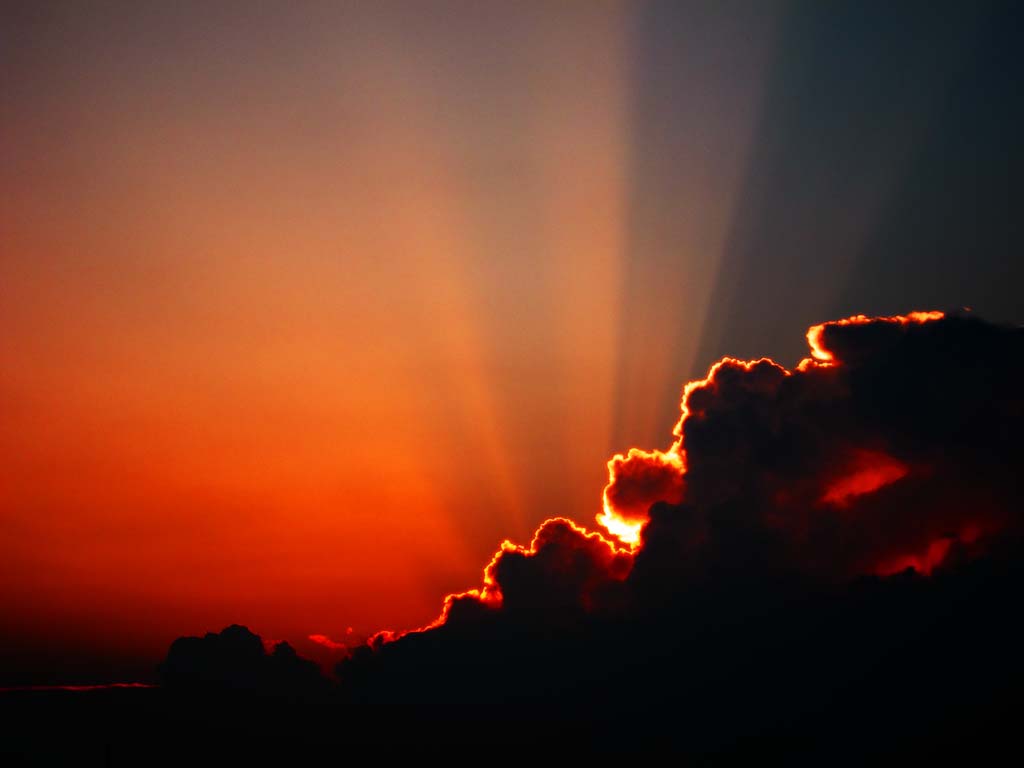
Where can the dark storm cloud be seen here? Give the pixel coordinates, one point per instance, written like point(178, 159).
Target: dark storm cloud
point(236, 659)
point(842, 543)
point(898, 446)
point(842, 510)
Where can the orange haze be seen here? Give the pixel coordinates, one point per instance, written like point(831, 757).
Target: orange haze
point(269, 325)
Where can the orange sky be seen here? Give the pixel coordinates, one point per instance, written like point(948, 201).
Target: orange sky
point(277, 347)
point(305, 308)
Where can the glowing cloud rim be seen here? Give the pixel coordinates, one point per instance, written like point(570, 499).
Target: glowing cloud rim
point(658, 476)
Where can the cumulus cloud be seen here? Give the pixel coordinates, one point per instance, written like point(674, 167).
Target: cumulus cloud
point(815, 543)
point(894, 444)
point(236, 659)
point(868, 452)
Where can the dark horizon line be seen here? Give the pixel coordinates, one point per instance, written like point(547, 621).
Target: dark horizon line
point(76, 688)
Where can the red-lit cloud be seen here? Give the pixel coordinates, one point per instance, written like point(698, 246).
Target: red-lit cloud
point(326, 642)
point(821, 351)
point(869, 471)
point(637, 480)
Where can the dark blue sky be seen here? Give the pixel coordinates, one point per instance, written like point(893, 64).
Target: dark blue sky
point(882, 172)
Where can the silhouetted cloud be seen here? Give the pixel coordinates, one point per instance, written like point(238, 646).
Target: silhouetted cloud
point(771, 571)
point(235, 659)
point(894, 445)
point(896, 434)
point(816, 546)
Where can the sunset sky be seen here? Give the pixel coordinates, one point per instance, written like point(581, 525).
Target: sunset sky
point(305, 307)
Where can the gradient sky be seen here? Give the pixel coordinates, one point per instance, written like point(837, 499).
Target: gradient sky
point(306, 306)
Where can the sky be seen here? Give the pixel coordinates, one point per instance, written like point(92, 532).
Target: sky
point(290, 291)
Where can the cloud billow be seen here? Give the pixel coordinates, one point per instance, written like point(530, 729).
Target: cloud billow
point(819, 546)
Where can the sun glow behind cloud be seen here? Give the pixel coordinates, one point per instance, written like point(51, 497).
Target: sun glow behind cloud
point(268, 335)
